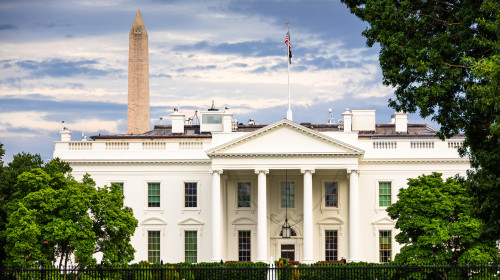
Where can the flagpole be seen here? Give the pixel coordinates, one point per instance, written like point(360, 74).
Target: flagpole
point(289, 112)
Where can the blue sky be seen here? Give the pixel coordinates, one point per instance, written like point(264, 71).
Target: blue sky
point(68, 61)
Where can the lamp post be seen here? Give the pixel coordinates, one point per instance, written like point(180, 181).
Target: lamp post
point(286, 229)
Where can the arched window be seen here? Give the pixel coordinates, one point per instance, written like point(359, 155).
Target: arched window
point(292, 232)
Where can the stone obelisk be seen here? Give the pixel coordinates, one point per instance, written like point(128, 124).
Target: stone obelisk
point(138, 78)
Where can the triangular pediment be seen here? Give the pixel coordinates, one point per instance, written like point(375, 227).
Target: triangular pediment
point(284, 137)
point(384, 221)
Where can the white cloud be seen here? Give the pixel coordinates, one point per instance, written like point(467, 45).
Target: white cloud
point(22, 124)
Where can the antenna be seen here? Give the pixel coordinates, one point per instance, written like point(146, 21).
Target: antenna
point(213, 107)
point(195, 118)
point(330, 119)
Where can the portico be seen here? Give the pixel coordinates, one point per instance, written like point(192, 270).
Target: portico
point(311, 160)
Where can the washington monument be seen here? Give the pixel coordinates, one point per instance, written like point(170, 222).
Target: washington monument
point(138, 78)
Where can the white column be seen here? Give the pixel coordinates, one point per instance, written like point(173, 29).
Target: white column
point(353, 216)
point(216, 233)
point(308, 217)
point(262, 215)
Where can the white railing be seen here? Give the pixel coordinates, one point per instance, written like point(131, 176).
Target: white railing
point(455, 144)
point(190, 145)
point(385, 144)
point(117, 146)
point(154, 146)
point(80, 146)
point(422, 144)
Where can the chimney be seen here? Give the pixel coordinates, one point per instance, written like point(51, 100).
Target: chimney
point(401, 122)
point(65, 135)
point(177, 122)
point(227, 125)
point(347, 120)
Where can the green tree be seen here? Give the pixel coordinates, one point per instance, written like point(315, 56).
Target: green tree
point(51, 216)
point(436, 225)
point(8, 177)
point(442, 58)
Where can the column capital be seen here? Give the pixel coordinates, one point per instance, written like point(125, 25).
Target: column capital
point(265, 171)
point(310, 170)
point(219, 171)
point(349, 171)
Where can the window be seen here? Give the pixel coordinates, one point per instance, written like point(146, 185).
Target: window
point(331, 245)
point(154, 246)
point(153, 194)
point(191, 246)
point(331, 194)
point(384, 194)
point(244, 246)
point(243, 194)
point(385, 246)
point(119, 184)
point(287, 194)
point(190, 195)
point(211, 118)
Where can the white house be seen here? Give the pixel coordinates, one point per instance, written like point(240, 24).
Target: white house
point(218, 190)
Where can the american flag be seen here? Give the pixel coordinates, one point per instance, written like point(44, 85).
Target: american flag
point(289, 44)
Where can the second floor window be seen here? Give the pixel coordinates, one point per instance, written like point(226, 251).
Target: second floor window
point(384, 194)
point(153, 194)
point(243, 194)
point(119, 184)
point(331, 194)
point(190, 194)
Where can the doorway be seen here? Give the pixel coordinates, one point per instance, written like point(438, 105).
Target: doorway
point(288, 251)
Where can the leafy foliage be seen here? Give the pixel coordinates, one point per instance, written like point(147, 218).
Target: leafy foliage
point(443, 58)
point(436, 226)
point(50, 216)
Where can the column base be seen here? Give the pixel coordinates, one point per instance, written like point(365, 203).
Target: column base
point(354, 260)
point(307, 261)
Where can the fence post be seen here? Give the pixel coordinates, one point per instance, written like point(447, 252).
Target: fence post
point(221, 271)
point(161, 270)
point(466, 269)
point(101, 270)
point(345, 271)
point(42, 272)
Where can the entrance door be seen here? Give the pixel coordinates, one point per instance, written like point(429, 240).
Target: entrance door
point(288, 251)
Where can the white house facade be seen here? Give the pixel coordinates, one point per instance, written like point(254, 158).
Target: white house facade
point(221, 190)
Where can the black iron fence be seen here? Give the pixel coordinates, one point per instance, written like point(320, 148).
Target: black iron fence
point(214, 271)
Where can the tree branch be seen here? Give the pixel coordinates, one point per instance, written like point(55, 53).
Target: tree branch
point(456, 66)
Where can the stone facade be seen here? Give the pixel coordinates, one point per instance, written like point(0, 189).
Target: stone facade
point(138, 78)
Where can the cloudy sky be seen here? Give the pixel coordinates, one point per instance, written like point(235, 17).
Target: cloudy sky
point(68, 61)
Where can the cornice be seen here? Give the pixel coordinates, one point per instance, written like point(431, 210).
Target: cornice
point(281, 155)
point(138, 162)
point(415, 160)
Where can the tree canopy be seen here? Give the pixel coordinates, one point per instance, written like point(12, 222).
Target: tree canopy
point(49, 216)
point(436, 225)
point(443, 59)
